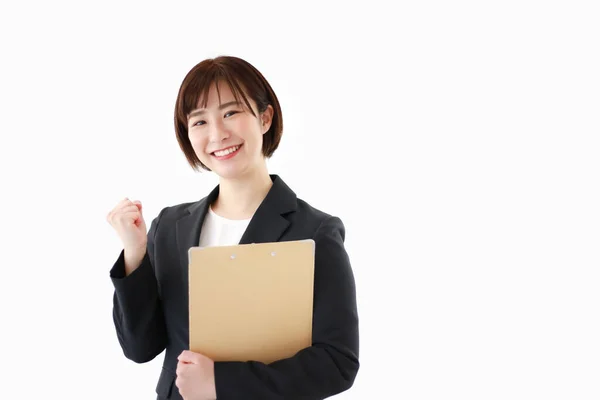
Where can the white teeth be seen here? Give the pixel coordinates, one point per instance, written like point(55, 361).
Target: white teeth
point(226, 151)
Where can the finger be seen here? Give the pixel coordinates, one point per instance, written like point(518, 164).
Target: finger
point(131, 208)
point(128, 217)
point(120, 205)
point(189, 357)
point(137, 204)
point(184, 356)
point(123, 202)
point(183, 369)
point(127, 214)
point(127, 202)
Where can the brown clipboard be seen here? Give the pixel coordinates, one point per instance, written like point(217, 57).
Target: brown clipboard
point(251, 302)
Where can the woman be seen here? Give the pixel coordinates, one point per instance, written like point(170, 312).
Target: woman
point(228, 120)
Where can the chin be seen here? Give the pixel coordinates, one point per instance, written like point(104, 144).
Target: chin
point(229, 173)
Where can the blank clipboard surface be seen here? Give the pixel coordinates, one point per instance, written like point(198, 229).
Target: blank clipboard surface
point(251, 302)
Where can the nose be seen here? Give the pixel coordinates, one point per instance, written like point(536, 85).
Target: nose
point(218, 132)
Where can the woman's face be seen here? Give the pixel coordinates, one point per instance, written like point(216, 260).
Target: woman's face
point(226, 137)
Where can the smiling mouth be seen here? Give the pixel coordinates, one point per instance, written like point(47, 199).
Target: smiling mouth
point(227, 151)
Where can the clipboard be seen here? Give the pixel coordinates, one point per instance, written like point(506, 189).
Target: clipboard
point(251, 302)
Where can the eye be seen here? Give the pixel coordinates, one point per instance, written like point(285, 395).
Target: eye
point(231, 113)
point(198, 123)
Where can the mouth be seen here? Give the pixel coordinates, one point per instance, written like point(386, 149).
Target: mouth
point(226, 153)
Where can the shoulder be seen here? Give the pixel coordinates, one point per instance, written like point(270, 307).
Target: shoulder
point(169, 214)
point(306, 219)
point(320, 222)
point(174, 211)
point(310, 211)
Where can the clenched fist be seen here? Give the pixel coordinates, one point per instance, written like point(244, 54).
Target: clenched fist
point(127, 219)
point(196, 376)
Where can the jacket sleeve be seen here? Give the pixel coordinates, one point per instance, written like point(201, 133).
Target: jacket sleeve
point(330, 365)
point(137, 309)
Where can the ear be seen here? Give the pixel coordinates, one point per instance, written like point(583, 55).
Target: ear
point(267, 119)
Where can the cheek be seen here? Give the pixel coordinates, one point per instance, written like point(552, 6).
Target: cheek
point(198, 143)
point(195, 139)
point(245, 127)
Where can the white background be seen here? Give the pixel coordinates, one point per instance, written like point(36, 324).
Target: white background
point(458, 142)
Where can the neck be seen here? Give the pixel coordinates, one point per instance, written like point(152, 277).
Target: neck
point(239, 198)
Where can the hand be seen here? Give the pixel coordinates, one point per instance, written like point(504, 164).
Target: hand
point(196, 376)
point(127, 219)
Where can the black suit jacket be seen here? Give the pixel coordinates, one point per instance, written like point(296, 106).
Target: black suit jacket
point(150, 306)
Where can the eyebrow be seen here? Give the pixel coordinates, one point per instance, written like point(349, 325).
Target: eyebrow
point(222, 106)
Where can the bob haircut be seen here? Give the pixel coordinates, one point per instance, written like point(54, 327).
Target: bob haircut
point(244, 80)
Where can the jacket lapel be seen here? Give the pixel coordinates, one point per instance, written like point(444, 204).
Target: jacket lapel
point(267, 225)
point(189, 226)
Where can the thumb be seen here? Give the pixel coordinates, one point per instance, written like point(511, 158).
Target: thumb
point(189, 357)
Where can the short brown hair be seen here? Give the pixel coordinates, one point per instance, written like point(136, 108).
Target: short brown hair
point(243, 80)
